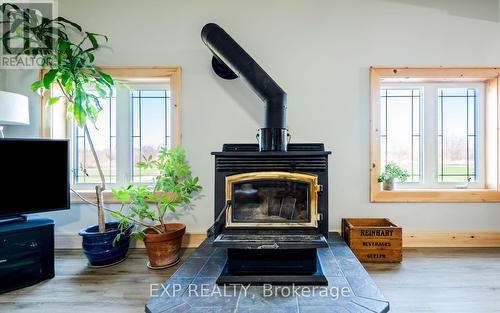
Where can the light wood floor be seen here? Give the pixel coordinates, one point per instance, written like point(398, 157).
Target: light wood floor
point(123, 288)
point(442, 281)
point(429, 280)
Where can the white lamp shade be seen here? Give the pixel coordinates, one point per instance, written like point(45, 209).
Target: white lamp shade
point(14, 109)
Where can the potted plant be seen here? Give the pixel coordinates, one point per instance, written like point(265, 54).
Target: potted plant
point(66, 52)
point(391, 172)
point(150, 206)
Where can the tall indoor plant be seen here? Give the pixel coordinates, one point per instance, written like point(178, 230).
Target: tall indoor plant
point(67, 52)
point(149, 205)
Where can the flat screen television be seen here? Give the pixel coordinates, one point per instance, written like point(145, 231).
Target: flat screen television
point(34, 176)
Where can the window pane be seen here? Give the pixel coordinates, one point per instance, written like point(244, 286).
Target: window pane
point(150, 128)
point(457, 135)
point(103, 136)
point(400, 130)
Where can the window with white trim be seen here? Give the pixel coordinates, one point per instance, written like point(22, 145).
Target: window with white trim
point(142, 115)
point(435, 131)
point(134, 124)
point(103, 134)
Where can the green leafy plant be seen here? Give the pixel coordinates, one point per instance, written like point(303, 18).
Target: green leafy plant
point(67, 53)
point(393, 171)
point(149, 205)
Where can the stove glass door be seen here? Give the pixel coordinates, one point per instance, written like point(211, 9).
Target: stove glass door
point(276, 199)
point(270, 201)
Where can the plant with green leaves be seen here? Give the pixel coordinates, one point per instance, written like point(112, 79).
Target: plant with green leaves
point(67, 52)
point(391, 172)
point(149, 205)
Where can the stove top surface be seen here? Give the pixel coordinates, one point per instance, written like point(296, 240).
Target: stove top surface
point(270, 241)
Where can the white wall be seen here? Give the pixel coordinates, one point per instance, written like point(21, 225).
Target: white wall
point(319, 52)
point(2, 79)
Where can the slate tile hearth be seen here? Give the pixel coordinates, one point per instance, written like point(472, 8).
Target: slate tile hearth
point(192, 288)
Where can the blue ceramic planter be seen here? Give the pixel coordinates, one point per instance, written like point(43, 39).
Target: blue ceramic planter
point(98, 247)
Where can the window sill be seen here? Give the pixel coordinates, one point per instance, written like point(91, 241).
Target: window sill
point(433, 195)
point(91, 196)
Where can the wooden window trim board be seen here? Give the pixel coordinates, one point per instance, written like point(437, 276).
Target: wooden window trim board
point(488, 75)
point(74, 241)
point(136, 74)
point(410, 240)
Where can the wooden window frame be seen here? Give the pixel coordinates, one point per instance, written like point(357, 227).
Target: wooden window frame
point(489, 76)
point(157, 74)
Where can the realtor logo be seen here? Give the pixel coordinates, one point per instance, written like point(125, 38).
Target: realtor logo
point(19, 48)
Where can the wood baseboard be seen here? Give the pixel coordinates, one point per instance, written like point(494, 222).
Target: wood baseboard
point(73, 241)
point(410, 240)
point(451, 239)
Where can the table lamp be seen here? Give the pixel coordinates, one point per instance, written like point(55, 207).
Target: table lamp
point(14, 110)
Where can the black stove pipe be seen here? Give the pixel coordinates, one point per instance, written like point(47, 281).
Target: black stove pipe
point(231, 61)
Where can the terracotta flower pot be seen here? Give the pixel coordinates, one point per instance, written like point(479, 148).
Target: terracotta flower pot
point(164, 249)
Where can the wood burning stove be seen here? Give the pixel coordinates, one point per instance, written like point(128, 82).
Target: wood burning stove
point(271, 198)
point(273, 209)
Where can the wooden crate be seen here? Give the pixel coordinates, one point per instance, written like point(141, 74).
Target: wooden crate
point(373, 239)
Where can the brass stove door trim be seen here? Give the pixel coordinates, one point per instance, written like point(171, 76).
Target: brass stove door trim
point(314, 188)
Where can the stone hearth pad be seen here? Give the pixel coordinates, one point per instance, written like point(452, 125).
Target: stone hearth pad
point(192, 288)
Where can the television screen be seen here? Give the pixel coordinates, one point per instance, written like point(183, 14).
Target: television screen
point(34, 175)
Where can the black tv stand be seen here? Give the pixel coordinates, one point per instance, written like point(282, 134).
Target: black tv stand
point(26, 252)
point(13, 219)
